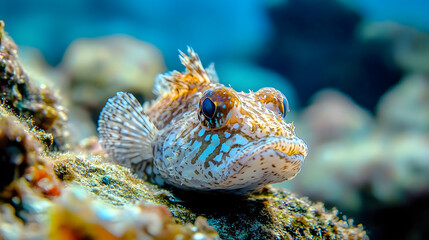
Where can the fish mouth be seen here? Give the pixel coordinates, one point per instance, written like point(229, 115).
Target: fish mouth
point(270, 156)
point(292, 147)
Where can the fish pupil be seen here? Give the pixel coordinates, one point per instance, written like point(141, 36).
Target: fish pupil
point(208, 108)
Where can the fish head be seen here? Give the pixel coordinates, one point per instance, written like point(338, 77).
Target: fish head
point(235, 142)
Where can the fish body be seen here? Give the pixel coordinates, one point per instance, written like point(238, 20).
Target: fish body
point(201, 135)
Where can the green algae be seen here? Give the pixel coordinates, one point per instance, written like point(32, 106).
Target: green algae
point(91, 171)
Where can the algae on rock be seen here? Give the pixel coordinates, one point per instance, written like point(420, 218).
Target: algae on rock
point(28, 100)
point(267, 214)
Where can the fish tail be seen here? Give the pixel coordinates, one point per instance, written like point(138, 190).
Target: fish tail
point(127, 134)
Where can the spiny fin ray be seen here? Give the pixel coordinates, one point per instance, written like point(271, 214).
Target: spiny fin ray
point(126, 133)
point(194, 75)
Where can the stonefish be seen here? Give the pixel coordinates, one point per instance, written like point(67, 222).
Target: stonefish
point(201, 135)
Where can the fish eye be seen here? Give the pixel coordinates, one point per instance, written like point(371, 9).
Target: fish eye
point(208, 108)
point(285, 107)
point(215, 105)
point(274, 100)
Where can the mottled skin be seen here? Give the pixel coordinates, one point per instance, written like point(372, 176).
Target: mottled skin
point(245, 145)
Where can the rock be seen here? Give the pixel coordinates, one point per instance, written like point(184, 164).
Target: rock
point(26, 98)
point(405, 107)
point(28, 181)
point(100, 67)
point(17, 151)
point(269, 214)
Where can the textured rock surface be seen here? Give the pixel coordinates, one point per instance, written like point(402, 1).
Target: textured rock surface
point(268, 214)
point(27, 98)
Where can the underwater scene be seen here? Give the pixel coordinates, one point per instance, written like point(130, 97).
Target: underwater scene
point(256, 119)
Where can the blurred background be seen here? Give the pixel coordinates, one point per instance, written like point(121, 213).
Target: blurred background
point(356, 73)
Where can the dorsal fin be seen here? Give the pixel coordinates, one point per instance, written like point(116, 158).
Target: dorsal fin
point(195, 75)
point(193, 64)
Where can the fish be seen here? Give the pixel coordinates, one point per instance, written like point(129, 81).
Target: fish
point(200, 135)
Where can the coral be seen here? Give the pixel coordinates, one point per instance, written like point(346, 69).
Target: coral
point(27, 181)
point(76, 216)
point(17, 151)
point(10, 225)
point(25, 97)
point(20, 152)
point(24, 172)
